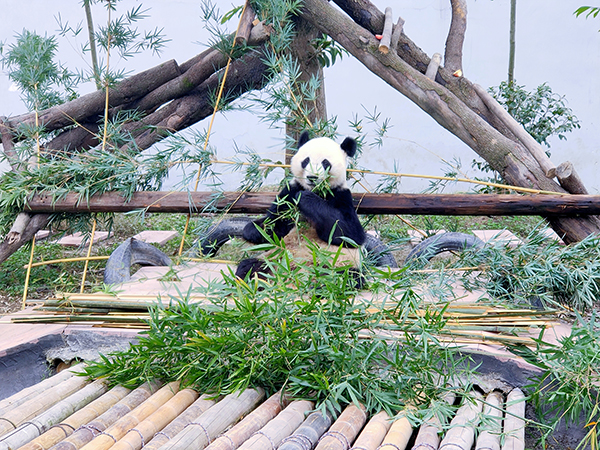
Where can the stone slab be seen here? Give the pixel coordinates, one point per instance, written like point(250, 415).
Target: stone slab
point(498, 236)
point(158, 237)
point(78, 239)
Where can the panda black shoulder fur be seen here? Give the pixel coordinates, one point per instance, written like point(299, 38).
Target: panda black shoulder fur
point(331, 215)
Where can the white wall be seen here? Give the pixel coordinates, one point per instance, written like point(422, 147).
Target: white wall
point(552, 46)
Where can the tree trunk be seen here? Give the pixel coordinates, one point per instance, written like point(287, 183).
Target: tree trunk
point(9, 246)
point(508, 157)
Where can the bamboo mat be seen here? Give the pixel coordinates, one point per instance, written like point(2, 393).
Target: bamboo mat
point(67, 412)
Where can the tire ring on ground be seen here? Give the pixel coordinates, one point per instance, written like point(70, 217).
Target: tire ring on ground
point(434, 245)
point(130, 252)
point(219, 234)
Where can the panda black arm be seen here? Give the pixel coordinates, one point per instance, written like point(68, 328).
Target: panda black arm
point(275, 219)
point(334, 218)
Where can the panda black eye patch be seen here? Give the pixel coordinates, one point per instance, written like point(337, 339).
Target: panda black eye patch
point(305, 162)
point(326, 164)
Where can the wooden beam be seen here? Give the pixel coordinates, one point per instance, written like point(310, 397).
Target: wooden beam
point(257, 203)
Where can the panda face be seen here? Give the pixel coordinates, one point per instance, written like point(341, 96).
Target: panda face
point(320, 162)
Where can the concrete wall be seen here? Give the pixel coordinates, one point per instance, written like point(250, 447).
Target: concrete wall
point(552, 46)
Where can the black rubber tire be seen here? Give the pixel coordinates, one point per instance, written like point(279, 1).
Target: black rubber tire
point(434, 245)
point(220, 233)
point(130, 252)
point(381, 254)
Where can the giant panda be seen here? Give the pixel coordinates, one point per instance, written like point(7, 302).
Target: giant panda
point(320, 193)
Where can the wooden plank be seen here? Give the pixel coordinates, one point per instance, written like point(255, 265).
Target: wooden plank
point(257, 203)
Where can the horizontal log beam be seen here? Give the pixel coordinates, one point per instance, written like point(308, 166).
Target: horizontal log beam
point(257, 203)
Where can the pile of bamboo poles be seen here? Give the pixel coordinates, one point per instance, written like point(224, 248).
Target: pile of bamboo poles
point(68, 412)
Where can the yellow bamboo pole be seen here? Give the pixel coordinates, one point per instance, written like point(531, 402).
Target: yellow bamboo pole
point(491, 423)
point(271, 435)
point(144, 431)
point(308, 434)
point(116, 431)
point(514, 422)
point(89, 251)
point(461, 432)
point(253, 422)
point(79, 418)
point(374, 432)
point(28, 273)
point(198, 407)
point(429, 432)
point(87, 432)
point(398, 435)
point(342, 433)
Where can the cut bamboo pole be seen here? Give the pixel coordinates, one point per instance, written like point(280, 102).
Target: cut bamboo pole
point(253, 422)
point(307, 435)
point(491, 427)
point(386, 35)
point(135, 438)
point(514, 422)
point(74, 421)
point(39, 404)
point(117, 430)
point(87, 432)
point(461, 433)
point(199, 433)
point(372, 436)
point(429, 432)
point(198, 407)
point(38, 389)
point(284, 424)
point(398, 435)
point(61, 410)
point(342, 433)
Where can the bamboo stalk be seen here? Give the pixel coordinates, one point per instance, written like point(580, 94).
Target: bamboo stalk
point(81, 417)
point(39, 404)
point(198, 407)
point(61, 410)
point(374, 432)
point(27, 394)
point(461, 433)
point(491, 428)
point(253, 422)
point(429, 432)
point(398, 435)
point(117, 430)
point(284, 424)
point(86, 433)
point(345, 429)
point(146, 429)
point(199, 433)
point(307, 435)
point(514, 422)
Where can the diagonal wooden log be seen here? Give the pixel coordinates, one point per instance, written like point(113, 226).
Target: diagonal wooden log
point(35, 224)
point(259, 202)
point(504, 155)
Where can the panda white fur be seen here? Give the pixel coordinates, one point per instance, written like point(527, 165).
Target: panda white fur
point(330, 214)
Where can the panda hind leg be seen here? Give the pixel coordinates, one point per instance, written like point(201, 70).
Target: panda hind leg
point(250, 266)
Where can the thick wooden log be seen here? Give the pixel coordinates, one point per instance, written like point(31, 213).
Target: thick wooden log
point(257, 203)
point(569, 179)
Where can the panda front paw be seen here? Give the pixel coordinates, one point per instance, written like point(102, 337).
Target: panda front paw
point(252, 234)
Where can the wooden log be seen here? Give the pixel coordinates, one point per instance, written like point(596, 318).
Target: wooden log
point(245, 25)
point(517, 129)
point(39, 404)
point(135, 438)
point(213, 422)
point(77, 419)
point(307, 435)
point(514, 422)
point(117, 430)
point(569, 179)
point(398, 435)
point(461, 433)
point(386, 35)
point(433, 66)
point(398, 29)
point(61, 410)
point(198, 407)
point(258, 203)
point(253, 422)
point(87, 432)
point(343, 432)
point(284, 424)
point(374, 432)
point(27, 394)
point(491, 424)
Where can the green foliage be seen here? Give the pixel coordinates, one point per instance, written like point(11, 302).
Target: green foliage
point(589, 11)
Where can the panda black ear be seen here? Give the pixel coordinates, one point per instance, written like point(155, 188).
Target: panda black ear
point(303, 139)
point(349, 146)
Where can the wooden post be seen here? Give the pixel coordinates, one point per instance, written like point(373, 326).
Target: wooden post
point(569, 179)
point(386, 36)
point(245, 25)
point(433, 66)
